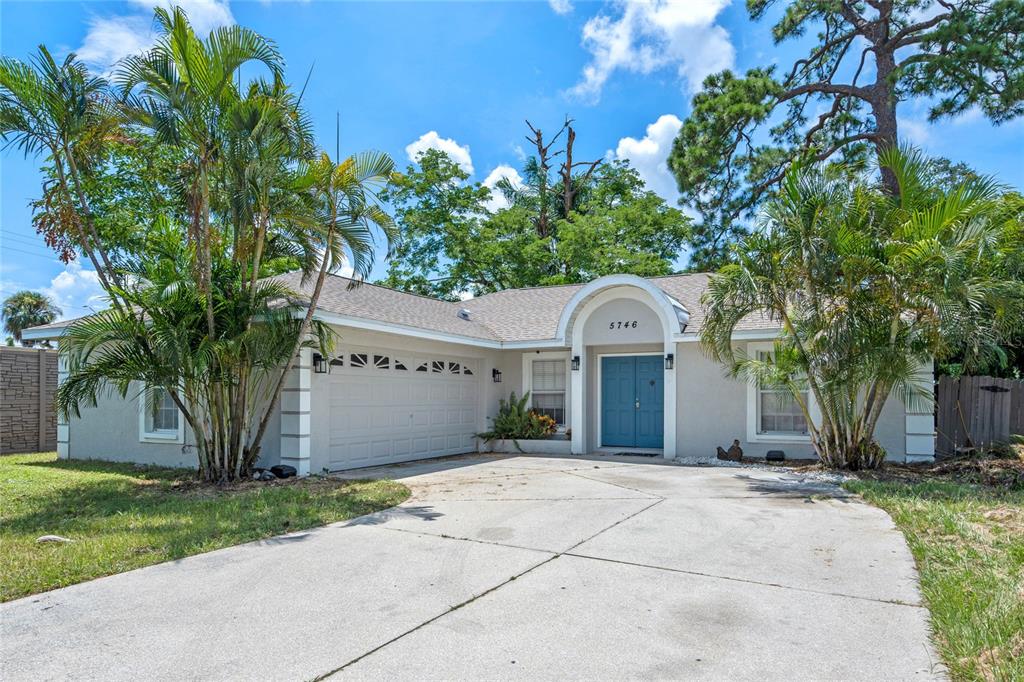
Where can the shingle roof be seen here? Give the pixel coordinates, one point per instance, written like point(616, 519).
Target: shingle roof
point(374, 302)
point(511, 315)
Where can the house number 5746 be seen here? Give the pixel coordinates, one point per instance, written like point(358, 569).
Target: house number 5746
point(626, 324)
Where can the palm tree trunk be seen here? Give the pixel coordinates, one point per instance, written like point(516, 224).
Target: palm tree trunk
point(303, 330)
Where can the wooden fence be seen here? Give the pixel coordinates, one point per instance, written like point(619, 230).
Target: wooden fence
point(977, 411)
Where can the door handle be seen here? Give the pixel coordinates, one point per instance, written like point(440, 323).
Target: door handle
point(638, 404)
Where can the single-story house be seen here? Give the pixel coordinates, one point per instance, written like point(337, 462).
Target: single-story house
point(614, 362)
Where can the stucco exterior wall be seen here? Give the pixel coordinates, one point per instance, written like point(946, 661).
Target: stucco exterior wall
point(110, 431)
point(712, 411)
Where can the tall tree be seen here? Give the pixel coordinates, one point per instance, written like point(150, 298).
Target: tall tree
point(840, 100)
point(193, 313)
point(568, 221)
point(25, 309)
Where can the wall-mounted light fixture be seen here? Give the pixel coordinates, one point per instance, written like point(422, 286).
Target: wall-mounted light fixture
point(575, 363)
point(496, 375)
point(319, 364)
point(670, 361)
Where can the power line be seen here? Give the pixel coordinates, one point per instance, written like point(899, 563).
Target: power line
point(52, 256)
point(30, 242)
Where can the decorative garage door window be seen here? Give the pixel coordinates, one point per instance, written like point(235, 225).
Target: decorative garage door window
point(359, 360)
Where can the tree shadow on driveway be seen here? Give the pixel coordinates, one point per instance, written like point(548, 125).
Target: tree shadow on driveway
point(795, 488)
point(422, 512)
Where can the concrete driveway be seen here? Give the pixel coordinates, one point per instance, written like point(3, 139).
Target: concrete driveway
point(516, 567)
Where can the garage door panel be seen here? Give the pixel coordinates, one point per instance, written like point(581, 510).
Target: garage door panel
point(381, 449)
point(380, 413)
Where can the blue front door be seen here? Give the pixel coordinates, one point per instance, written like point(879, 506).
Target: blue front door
point(632, 401)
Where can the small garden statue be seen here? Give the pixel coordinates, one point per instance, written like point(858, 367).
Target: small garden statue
point(733, 454)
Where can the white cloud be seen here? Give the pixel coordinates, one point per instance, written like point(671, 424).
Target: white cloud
point(76, 291)
point(498, 200)
point(916, 132)
point(649, 154)
point(649, 35)
point(114, 37)
point(345, 269)
point(431, 140)
point(560, 6)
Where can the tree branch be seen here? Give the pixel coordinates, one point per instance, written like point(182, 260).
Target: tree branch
point(897, 40)
point(826, 88)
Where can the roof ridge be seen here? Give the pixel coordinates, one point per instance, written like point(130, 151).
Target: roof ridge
point(363, 282)
point(580, 284)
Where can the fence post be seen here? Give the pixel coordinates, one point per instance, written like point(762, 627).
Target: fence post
point(41, 411)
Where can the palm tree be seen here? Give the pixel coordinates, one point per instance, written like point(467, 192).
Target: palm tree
point(63, 112)
point(194, 312)
point(26, 309)
point(867, 288)
point(181, 89)
point(346, 213)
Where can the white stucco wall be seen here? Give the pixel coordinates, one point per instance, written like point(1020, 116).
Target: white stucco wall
point(712, 411)
point(711, 408)
point(110, 431)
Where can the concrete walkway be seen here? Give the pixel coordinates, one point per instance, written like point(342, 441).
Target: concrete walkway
point(516, 568)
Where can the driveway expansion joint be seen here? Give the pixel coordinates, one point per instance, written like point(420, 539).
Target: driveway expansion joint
point(495, 588)
point(427, 622)
point(714, 576)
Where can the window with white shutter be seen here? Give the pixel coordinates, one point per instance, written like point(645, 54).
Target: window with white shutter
point(548, 389)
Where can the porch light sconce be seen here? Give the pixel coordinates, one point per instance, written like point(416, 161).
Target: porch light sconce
point(670, 361)
point(319, 364)
point(496, 375)
point(575, 363)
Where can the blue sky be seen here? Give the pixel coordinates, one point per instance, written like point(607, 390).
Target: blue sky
point(459, 75)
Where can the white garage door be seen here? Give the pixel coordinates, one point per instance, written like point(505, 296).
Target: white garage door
point(392, 407)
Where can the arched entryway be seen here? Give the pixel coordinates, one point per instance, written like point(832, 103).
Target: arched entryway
point(623, 332)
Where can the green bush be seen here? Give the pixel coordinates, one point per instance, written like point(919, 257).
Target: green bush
point(515, 421)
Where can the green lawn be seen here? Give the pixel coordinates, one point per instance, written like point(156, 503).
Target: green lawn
point(122, 516)
point(968, 541)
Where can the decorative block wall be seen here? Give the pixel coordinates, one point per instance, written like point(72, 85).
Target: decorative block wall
point(28, 383)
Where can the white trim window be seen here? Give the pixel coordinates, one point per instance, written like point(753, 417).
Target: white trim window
point(547, 383)
point(772, 411)
point(160, 420)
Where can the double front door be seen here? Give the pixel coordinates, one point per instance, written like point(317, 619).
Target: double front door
point(632, 401)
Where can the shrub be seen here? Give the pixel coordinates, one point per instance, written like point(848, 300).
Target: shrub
point(515, 421)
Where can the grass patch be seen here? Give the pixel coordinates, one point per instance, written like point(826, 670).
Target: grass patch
point(123, 516)
point(968, 541)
